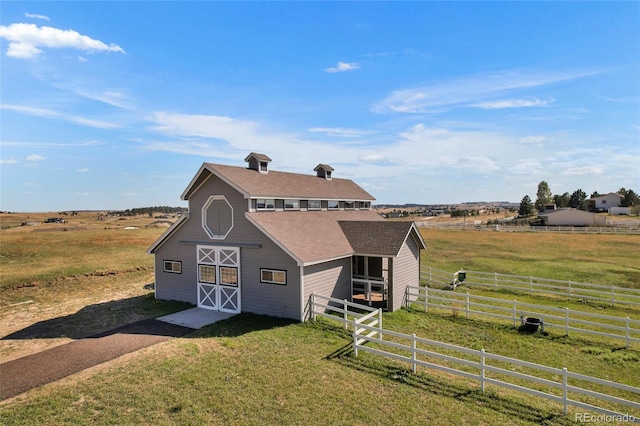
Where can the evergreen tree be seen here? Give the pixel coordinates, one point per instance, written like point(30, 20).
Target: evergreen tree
point(578, 199)
point(543, 196)
point(526, 207)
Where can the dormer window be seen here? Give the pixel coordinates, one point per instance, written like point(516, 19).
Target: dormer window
point(324, 171)
point(258, 162)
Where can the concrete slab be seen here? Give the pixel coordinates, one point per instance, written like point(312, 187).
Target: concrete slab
point(195, 317)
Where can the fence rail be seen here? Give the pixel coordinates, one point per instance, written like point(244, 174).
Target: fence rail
point(367, 328)
point(432, 277)
point(411, 353)
point(350, 313)
point(617, 228)
point(566, 320)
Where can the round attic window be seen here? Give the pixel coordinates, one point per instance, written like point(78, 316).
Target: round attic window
point(217, 217)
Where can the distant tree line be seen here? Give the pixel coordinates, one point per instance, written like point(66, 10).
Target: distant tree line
point(151, 210)
point(576, 200)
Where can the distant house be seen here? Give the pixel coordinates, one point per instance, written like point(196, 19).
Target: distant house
point(571, 217)
point(603, 203)
point(263, 241)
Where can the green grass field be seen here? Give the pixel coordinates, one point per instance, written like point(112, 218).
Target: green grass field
point(260, 370)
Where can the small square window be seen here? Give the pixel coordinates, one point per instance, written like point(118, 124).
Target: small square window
point(333, 205)
point(228, 276)
point(173, 266)
point(207, 274)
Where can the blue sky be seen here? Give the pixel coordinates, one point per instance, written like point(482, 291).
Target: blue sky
point(115, 105)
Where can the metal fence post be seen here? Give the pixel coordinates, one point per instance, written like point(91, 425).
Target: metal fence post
point(495, 280)
point(380, 323)
point(613, 295)
point(426, 299)
point(628, 330)
point(482, 361)
point(566, 321)
point(355, 340)
point(565, 391)
point(346, 317)
point(467, 307)
point(413, 353)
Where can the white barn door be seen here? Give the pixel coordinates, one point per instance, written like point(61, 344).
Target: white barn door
point(219, 278)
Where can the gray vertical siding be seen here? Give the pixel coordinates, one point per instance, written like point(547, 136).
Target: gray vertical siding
point(330, 279)
point(256, 297)
point(405, 271)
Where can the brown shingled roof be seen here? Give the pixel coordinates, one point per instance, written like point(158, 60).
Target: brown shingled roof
point(379, 238)
point(311, 236)
point(281, 184)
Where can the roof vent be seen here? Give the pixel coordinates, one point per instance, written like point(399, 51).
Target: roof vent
point(259, 162)
point(324, 171)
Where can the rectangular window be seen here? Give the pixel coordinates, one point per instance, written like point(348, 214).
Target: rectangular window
point(292, 204)
point(173, 266)
point(333, 205)
point(207, 274)
point(228, 276)
point(349, 205)
point(266, 204)
point(273, 276)
point(365, 205)
point(314, 205)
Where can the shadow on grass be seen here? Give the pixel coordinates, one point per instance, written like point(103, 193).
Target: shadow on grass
point(240, 324)
point(104, 318)
point(437, 385)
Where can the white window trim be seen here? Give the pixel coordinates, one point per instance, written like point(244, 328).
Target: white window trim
point(204, 217)
point(266, 201)
point(173, 263)
point(314, 208)
point(273, 275)
point(294, 201)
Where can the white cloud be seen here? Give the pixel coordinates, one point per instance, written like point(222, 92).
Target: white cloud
point(526, 167)
point(512, 103)
point(469, 90)
point(9, 161)
point(41, 112)
point(533, 140)
point(82, 194)
point(82, 59)
point(36, 157)
point(36, 16)
point(579, 171)
point(343, 67)
point(130, 194)
point(25, 40)
point(372, 158)
point(33, 185)
point(340, 132)
point(83, 170)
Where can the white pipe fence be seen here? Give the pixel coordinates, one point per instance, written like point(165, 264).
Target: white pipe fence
point(486, 373)
point(432, 277)
point(565, 320)
point(617, 228)
point(350, 313)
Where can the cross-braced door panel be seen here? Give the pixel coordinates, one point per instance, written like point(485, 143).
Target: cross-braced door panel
point(219, 278)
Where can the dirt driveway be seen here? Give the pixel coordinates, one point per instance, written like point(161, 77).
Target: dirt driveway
point(20, 375)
